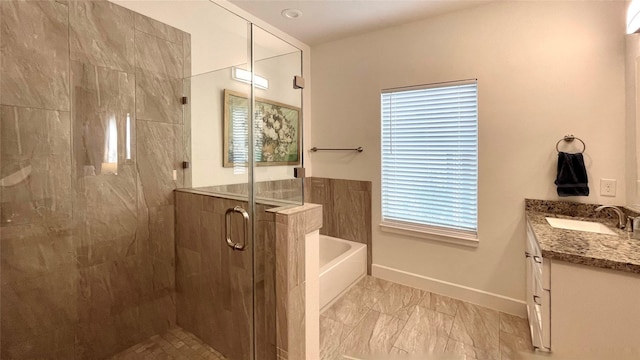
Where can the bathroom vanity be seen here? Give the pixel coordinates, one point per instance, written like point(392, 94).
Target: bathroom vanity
point(583, 288)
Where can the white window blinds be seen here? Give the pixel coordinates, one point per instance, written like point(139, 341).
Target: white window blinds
point(240, 135)
point(430, 157)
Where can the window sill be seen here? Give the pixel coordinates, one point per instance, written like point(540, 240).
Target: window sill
point(442, 235)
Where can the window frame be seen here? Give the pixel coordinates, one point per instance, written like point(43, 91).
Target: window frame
point(431, 232)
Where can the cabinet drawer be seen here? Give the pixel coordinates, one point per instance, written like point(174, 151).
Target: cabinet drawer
point(535, 328)
point(537, 285)
point(540, 320)
point(532, 244)
point(540, 267)
point(541, 272)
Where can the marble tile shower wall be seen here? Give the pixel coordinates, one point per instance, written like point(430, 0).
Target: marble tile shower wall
point(92, 129)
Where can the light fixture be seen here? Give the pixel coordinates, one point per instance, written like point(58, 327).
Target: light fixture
point(245, 76)
point(633, 17)
point(291, 14)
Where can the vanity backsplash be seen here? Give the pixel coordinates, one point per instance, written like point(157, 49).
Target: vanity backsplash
point(574, 209)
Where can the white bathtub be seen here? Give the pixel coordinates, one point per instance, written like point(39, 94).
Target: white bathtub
point(342, 263)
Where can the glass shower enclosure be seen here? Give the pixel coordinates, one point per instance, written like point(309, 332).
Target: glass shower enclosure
point(144, 146)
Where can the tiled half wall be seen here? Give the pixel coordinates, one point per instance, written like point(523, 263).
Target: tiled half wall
point(92, 129)
point(346, 208)
point(214, 283)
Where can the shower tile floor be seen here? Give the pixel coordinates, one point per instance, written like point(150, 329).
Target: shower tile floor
point(377, 317)
point(176, 343)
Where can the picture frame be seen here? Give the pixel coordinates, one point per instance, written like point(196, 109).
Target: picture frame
point(278, 131)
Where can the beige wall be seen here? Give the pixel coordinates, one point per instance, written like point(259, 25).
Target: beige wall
point(632, 158)
point(544, 69)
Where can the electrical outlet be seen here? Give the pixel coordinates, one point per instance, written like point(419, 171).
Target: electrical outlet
point(607, 187)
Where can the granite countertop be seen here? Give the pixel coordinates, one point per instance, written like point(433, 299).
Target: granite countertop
point(617, 252)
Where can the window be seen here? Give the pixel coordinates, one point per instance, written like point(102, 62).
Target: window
point(430, 160)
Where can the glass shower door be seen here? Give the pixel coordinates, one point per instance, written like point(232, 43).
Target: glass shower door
point(276, 148)
point(246, 138)
point(246, 131)
point(214, 275)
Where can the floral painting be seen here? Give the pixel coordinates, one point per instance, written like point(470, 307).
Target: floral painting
point(276, 131)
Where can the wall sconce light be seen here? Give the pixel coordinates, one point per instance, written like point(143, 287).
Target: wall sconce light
point(633, 17)
point(245, 76)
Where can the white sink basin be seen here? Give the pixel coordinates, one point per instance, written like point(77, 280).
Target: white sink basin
point(579, 225)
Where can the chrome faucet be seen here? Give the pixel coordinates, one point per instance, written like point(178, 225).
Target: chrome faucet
point(623, 221)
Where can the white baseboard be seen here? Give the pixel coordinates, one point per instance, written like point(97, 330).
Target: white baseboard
point(479, 297)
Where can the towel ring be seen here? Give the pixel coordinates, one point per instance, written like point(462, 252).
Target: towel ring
point(570, 138)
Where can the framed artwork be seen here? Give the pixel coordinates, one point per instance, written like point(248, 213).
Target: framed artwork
point(276, 131)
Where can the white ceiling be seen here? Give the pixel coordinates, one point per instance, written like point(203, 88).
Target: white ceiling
point(326, 20)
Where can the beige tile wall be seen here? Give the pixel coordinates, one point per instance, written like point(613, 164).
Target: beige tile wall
point(346, 208)
point(292, 226)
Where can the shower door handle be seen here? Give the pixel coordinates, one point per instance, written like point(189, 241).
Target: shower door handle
point(227, 223)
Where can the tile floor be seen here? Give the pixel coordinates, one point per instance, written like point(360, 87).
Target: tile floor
point(174, 344)
point(378, 317)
